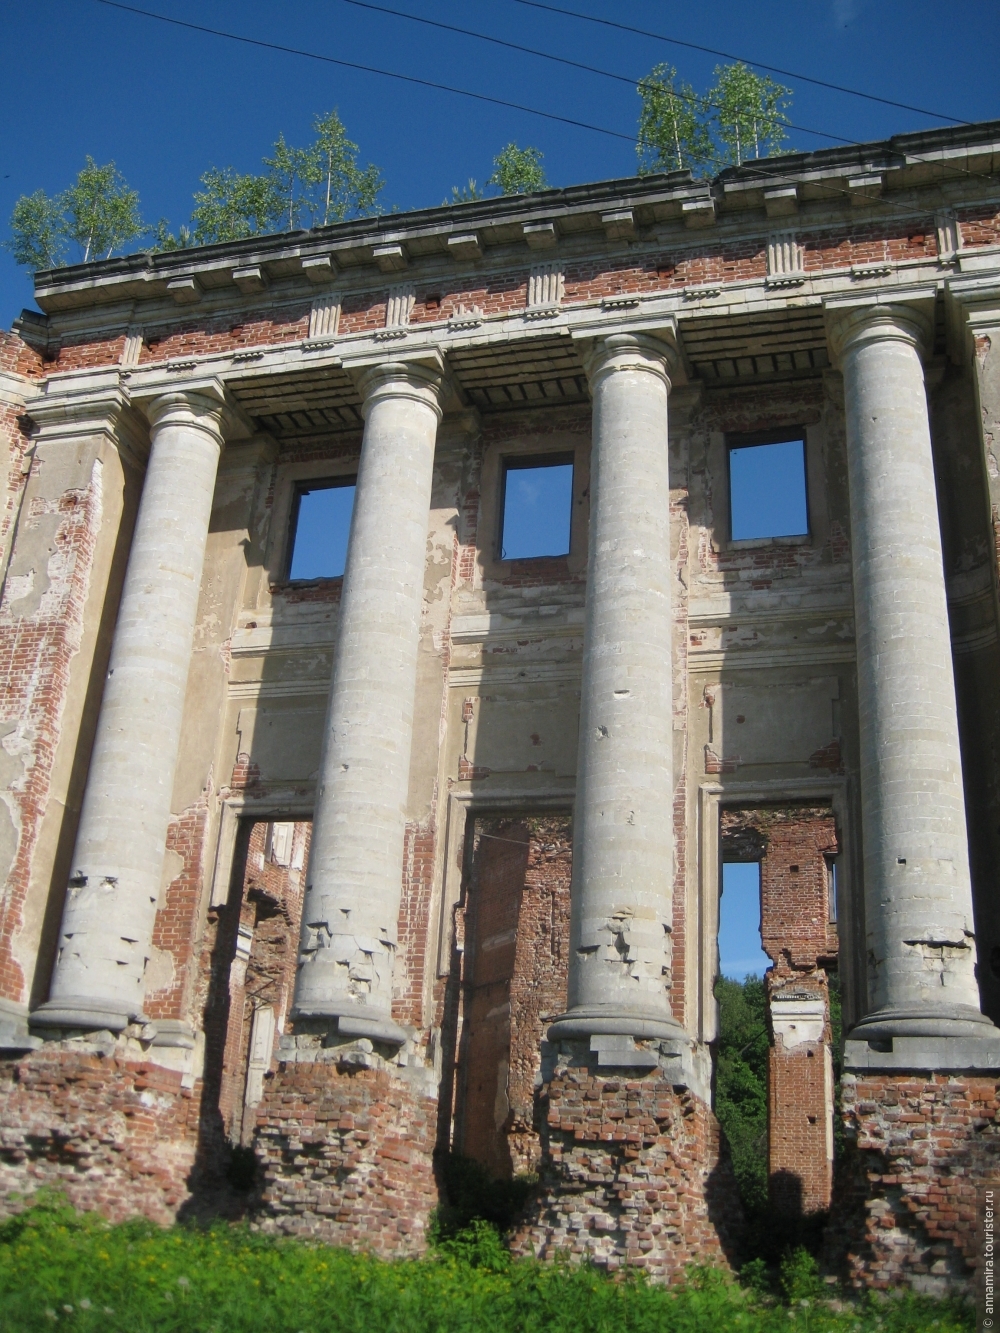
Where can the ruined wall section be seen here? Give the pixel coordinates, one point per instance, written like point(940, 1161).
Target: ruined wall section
point(68, 537)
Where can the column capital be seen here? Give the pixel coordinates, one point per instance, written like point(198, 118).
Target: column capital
point(615, 352)
point(850, 325)
point(418, 378)
point(203, 405)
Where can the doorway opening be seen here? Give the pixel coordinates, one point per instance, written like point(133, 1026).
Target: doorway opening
point(507, 983)
point(774, 1058)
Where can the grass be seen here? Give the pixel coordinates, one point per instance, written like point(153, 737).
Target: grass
point(62, 1269)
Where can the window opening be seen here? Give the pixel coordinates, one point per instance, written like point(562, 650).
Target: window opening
point(321, 524)
point(537, 507)
point(831, 889)
point(767, 490)
point(740, 951)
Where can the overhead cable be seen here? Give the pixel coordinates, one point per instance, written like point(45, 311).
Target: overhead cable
point(563, 60)
point(728, 55)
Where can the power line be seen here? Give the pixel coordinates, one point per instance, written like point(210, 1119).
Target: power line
point(562, 60)
point(464, 92)
point(728, 55)
point(367, 69)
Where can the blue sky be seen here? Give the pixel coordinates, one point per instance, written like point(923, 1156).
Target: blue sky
point(740, 954)
point(166, 104)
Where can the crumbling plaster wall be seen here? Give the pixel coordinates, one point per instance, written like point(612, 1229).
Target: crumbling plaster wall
point(68, 532)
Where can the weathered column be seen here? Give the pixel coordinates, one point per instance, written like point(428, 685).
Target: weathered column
point(623, 842)
point(918, 897)
point(354, 881)
point(114, 884)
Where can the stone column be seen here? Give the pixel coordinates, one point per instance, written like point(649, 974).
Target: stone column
point(918, 897)
point(117, 862)
point(354, 881)
point(623, 842)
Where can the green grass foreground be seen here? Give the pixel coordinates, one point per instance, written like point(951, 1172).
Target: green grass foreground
point(59, 1268)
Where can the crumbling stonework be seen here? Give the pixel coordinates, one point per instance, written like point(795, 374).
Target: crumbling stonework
point(346, 1155)
point(107, 1128)
point(633, 1173)
point(920, 1146)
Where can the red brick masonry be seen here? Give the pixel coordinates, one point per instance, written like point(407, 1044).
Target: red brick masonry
point(905, 1196)
point(347, 1158)
point(633, 1172)
point(113, 1135)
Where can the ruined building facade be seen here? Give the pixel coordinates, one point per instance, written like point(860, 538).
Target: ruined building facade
point(342, 872)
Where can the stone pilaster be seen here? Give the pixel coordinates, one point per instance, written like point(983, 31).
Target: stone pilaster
point(923, 1002)
point(114, 884)
point(354, 881)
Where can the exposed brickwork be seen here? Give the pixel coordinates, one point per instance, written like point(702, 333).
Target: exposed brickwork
point(347, 1158)
point(633, 1172)
point(36, 650)
point(18, 358)
point(513, 925)
point(920, 1145)
point(115, 1135)
point(177, 917)
point(414, 924)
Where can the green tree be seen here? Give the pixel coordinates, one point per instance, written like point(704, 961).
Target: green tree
point(748, 114)
point(164, 239)
point(338, 187)
point(101, 212)
point(38, 232)
point(233, 206)
point(741, 1084)
point(290, 170)
point(518, 170)
point(464, 195)
point(673, 129)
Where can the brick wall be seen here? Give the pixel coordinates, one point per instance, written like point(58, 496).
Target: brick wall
point(919, 1147)
point(513, 924)
point(347, 1158)
point(115, 1134)
point(633, 1172)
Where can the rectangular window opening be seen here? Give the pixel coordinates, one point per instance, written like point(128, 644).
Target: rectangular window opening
point(537, 507)
point(831, 885)
point(321, 524)
point(740, 951)
point(767, 490)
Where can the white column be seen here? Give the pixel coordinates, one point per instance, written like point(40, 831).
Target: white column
point(623, 841)
point(918, 896)
point(114, 883)
point(354, 881)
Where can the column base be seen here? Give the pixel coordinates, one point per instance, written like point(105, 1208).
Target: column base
point(634, 1174)
point(348, 1023)
point(919, 1148)
point(954, 1038)
point(611, 1020)
point(347, 1157)
point(84, 1013)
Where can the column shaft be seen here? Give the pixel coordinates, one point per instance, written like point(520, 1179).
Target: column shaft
point(354, 881)
point(623, 843)
point(918, 897)
point(114, 884)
